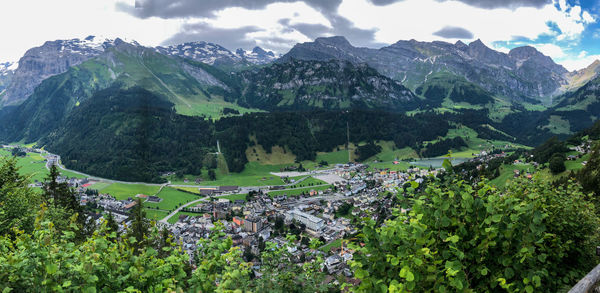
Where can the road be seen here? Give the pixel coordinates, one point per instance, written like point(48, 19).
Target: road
point(165, 220)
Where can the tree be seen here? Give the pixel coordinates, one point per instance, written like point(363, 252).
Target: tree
point(63, 264)
point(281, 274)
point(61, 192)
point(140, 226)
point(18, 203)
point(557, 164)
point(248, 256)
point(212, 175)
point(589, 176)
point(111, 225)
point(458, 237)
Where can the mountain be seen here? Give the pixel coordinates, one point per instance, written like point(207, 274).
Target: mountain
point(577, 110)
point(524, 73)
point(446, 89)
point(580, 77)
point(7, 70)
point(217, 55)
point(257, 56)
point(52, 58)
point(188, 85)
point(297, 85)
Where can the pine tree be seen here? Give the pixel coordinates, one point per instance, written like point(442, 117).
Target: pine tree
point(111, 224)
point(140, 227)
point(62, 194)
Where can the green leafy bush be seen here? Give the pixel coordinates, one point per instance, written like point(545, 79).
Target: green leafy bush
point(456, 237)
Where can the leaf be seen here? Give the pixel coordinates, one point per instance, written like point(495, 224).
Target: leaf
point(497, 218)
point(414, 184)
point(453, 239)
point(484, 271)
point(536, 281)
point(51, 269)
point(529, 289)
point(447, 165)
point(407, 274)
point(457, 284)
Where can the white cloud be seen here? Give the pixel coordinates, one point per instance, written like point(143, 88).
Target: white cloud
point(578, 62)
point(419, 19)
point(268, 22)
point(552, 50)
point(268, 18)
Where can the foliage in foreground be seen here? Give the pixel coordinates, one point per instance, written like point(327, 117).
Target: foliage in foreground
point(529, 237)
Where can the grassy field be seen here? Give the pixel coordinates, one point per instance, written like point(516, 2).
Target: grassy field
point(310, 181)
point(123, 191)
point(507, 173)
point(576, 164)
point(475, 144)
point(155, 215)
point(334, 243)
point(297, 191)
point(34, 165)
point(254, 174)
point(175, 218)
point(99, 185)
point(193, 190)
point(334, 157)
point(390, 153)
point(171, 199)
point(212, 108)
point(401, 166)
point(278, 155)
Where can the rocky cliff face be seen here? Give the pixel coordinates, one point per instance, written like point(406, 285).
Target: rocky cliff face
point(52, 58)
point(523, 73)
point(333, 84)
point(7, 70)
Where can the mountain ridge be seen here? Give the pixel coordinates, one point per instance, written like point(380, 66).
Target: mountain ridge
point(412, 61)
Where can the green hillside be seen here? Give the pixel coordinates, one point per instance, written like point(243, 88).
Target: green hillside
point(192, 90)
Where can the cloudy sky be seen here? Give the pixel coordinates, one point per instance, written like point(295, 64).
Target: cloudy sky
point(566, 30)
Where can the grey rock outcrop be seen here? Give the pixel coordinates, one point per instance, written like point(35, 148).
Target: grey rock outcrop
point(52, 58)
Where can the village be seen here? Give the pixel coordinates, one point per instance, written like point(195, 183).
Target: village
point(330, 215)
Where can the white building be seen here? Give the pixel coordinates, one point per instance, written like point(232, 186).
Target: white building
point(311, 222)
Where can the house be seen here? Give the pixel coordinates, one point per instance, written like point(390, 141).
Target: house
point(229, 189)
point(154, 199)
point(207, 191)
point(238, 221)
point(130, 205)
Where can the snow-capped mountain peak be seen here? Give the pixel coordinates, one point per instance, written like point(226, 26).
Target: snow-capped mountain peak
point(215, 54)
